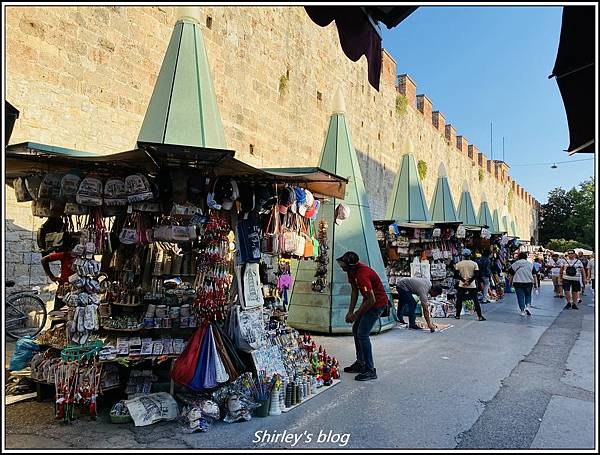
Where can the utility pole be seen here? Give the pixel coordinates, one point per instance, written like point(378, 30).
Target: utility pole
point(503, 149)
point(492, 140)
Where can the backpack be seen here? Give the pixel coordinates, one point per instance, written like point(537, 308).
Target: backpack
point(138, 188)
point(90, 192)
point(32, 183)
point(115, 193)
point(50, 187)
point(21, 192)
point(571, 270)
point(69, 185)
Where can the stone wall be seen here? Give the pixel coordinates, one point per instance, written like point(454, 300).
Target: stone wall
point(82, 78)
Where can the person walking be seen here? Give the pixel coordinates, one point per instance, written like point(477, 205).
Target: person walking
point(422, 287)
point(572, 273)
point(584, 261)
point(522, 277)
point(537, 268)
point(554, 265)
point(592, 272)
point(467, 272)
point(364, 280)
point(485, 272)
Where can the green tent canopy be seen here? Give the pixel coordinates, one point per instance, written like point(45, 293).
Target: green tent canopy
point(466, 211)
point(325, 312)
point(485, 216)
point(442, 205)
point(407, 204)
point(497, 223)
point(183, 108)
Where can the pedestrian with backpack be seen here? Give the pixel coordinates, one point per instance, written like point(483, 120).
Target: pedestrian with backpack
point(572, 273)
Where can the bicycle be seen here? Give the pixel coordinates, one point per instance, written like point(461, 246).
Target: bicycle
point(25, 313)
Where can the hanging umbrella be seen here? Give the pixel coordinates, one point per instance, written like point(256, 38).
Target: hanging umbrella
point(358, 30)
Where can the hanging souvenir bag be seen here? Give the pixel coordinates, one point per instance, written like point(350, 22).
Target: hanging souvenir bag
point(300, 240)
point(290, 238)
point(21, 192)
point(115, 193)
point(253, 296)
point(41, 208)
point(184, 366)
point(308, 244)
point(138, 188)
point(32, 184)
point(72, 208)
point(315, 241)
point(69, 185)
point(50, 187)
point(129, 234)
point(90, 192)
point(270, 242)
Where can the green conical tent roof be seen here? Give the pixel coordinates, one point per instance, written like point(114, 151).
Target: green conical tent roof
point(407, 203)
point(183, 108)
point(325, 312)
point(442, 205)
point(505, 223)
point(513, 229)
point(485, 216)
point(497, 222)
point(466, 211)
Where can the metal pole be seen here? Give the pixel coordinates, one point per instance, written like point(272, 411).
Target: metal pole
point(503, 149)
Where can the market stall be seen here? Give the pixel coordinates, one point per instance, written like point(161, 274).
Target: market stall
point(180, 263)
point(320, 291)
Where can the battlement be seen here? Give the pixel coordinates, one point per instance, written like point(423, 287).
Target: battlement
point(407, 87)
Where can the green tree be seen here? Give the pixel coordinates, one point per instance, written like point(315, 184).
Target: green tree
point(562, 245)
point(569, 215)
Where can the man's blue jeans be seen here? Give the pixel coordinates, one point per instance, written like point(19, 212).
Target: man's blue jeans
point(361, 329)
point(406, 302)
point(523, 292)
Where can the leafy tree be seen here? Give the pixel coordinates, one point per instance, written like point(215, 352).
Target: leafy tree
point(562, 245)
point(569, 215)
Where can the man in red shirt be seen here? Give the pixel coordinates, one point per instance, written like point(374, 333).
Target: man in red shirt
point(366, 281)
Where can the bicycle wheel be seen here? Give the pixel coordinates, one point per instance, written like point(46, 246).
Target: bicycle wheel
point(25, 315)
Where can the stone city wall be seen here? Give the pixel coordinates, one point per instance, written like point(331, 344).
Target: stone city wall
point(82, 78)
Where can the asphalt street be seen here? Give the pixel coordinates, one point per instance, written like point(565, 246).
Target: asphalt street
point(508, 382)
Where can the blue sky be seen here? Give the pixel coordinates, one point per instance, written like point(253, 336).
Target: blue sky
point(491, 64)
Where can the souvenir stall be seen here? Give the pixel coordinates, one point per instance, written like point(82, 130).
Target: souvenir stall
point(321, 294)
point(180, 254)
point(179, 277)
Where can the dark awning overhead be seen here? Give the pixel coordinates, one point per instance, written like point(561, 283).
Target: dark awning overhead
point(11, 114)
point(574, 72)
point(358, 31)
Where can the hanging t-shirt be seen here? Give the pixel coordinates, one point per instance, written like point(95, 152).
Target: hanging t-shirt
point(248, 233)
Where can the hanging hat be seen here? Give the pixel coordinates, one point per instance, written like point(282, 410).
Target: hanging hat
point(235, 194)
point(308, 203)
point(342, 212)
point(247, 197)
point(466, 252)
point(317, 208)
point(312, 210)
point(264, 198)
point(287, 196)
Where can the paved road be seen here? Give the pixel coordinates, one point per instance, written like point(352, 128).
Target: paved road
point(508, 382)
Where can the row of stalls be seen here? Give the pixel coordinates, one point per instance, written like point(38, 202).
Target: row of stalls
point(177, 303)
point(417, 241)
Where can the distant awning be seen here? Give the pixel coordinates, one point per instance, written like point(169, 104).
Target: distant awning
point(358, 31)
point(575, 75)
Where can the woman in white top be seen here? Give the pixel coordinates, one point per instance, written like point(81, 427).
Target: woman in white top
point(522, 280)
point(572, 274)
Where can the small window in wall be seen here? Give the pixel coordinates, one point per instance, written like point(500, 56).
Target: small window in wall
point(379, 136)
point(251, 149)
point(209, 22)
point(393, 146)
point(362, 124)
point(319, 96)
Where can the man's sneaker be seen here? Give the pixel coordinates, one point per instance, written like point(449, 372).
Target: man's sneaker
point(567, 306)
point(367, 375)
point(402, 321)
point(528, 311)
point(415, 327)
point(522, 313)
point(356, 367)
point(574, 306)
point(578, 301)
point(456, 317)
